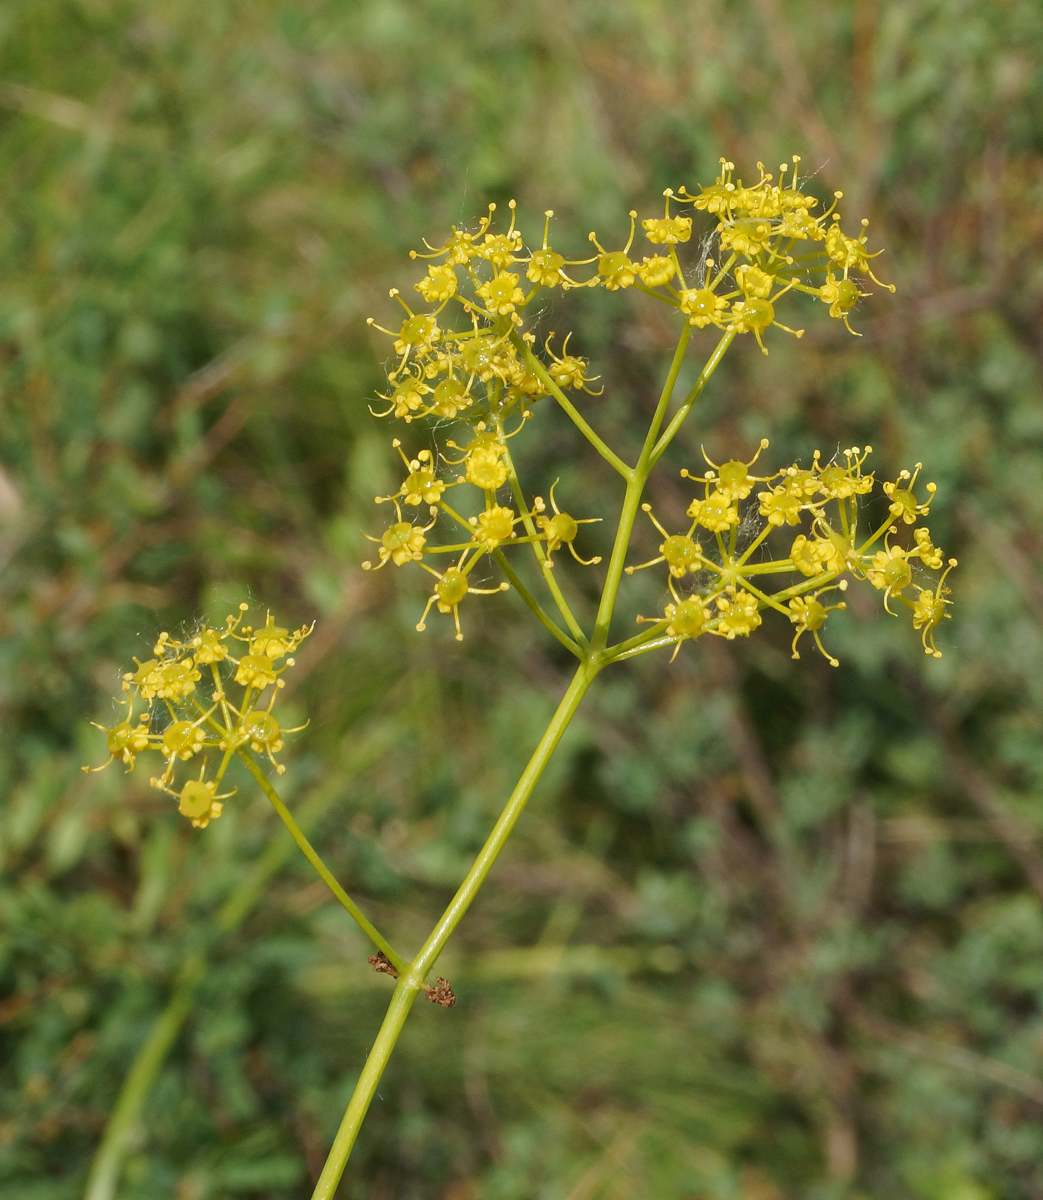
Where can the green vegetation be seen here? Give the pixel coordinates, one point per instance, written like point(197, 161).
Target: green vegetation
point(788, 942)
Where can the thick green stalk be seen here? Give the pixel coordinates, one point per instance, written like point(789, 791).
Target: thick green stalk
point(412, 980)
point(585, 675)
point(406, 991)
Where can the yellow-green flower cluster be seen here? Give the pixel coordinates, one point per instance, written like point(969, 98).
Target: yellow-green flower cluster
point(467, 357)
point(823, 500)
point(485, 464)
point(768, 241)
point(180, 705)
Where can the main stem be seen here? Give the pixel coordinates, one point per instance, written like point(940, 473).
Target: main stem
point(412, 979)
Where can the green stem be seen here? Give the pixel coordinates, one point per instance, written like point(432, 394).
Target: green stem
point(576, 417)
point(395, 1018)
point(641, 287)
point(620, 546)
point(557, 595)
point(585, 675)
point(105, 1169)
point(322, 870)
point(109, 1157)
point(697, 389)
point(656, 643)
point(411, 980)
point(534, 604)
point(671, 382)
point(639, 639)
point(636, 481)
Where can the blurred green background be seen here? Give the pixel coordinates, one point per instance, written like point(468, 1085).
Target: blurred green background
point(768, 930)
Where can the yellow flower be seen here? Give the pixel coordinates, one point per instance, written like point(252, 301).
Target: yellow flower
point(800, 224)
point(459, 247)
point(182, 739)
point(801, 482)
point(486, 356)
point(687, 618)
point(890, 572)
point(841, 295)
point(809, 614)
point(816, 556)
point(780, 506)
point(438, 284)
point(750, 237)
point(500, 248)
point(850, 253)
point(667, 230)
point(703, 306)
point(198, 800)
point(739, 615)
point(165, 680)
point(904, 504)
point(484, 467)
point(418, 331)
point(273, 640)
point(450, 397)
point(754, 283)
point(406, 398)
point(545, 267)
point(208, 646)
point(656, 271)
point(929, 611)
point(569, 371)
point(615, 270)
point(256, 671)
point(680, 553)
point(420, 486)
point(562, 529)
point(494, 526)
point(716, 513)
point(401, 542)
point(525, 381)
point(754, 316)
point(501, 293)
point(264, 734)
point(930, 555)
point(837, 481)
point(719, 197)
point(450, 589)
point(733, 478)
point(125, 740)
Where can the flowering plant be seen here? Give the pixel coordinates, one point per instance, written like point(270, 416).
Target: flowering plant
point(468, 359)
